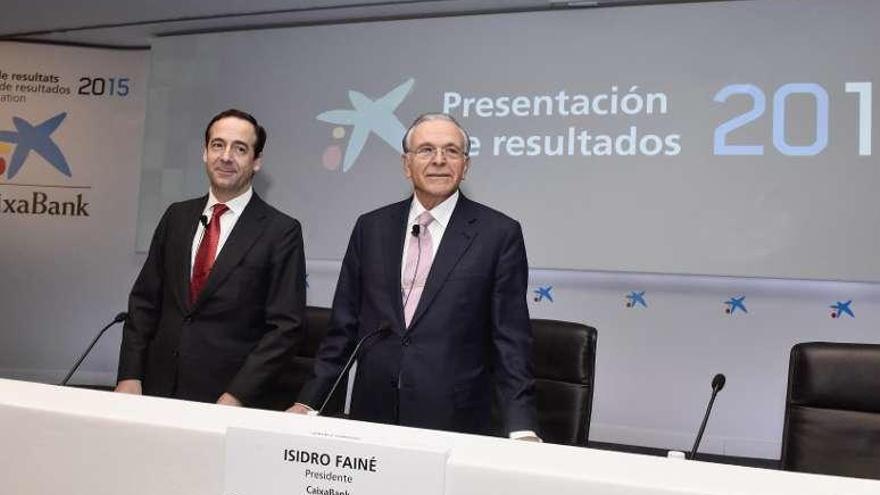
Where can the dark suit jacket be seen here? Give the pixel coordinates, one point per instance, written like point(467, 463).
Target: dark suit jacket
point(470, 330)
point(249, 317)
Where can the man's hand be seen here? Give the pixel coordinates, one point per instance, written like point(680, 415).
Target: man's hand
point(130, 386)
point(228, 400)
point(530, 438)
point(299, 409)
point(525, 436)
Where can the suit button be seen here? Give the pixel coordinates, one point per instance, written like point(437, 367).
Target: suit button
point(187, 319)
point(176, 354)
point(405, 341)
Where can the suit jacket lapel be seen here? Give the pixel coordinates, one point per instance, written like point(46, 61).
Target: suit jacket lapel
point(183, 246)
point(246, 231)
point(459, 234)
point(393, 242)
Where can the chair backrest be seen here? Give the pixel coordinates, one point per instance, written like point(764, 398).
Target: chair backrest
point(564, 361)
point(317, 322)
point(300, 367)
point(832, 410)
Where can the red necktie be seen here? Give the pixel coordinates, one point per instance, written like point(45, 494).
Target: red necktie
point(206, 253)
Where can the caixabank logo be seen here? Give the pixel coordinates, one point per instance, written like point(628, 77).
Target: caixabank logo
point(27, 146)
point(365, 117)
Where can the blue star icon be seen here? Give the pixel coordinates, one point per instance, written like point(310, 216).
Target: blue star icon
point(634, 298)
point(735, 303)
point(544, 293)
point(29, 138)
point(369, 116)
point(842, 308)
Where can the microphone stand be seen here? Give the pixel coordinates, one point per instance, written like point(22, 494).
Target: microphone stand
point(119, 318)
point(717, 385)
point(384, 327)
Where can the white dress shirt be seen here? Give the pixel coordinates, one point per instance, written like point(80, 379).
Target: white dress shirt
point(441, 213)
point(227, 221)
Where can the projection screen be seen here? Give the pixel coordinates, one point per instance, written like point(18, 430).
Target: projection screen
point(725, 138)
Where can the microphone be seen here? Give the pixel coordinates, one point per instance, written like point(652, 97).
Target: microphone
point(204, 221)
point(717, 384)
point(416, 230)
point(119, 318)
point(384, 329)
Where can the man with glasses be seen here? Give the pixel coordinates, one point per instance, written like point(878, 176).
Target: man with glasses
point(448, 277)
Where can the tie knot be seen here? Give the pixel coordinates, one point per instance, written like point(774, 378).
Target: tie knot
point(424, 219)
point(219, 209)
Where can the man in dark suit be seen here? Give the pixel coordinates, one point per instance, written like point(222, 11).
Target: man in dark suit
point(448, 276)
point(218, 306)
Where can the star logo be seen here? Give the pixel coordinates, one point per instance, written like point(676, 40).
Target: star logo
point(543, 292)
point(842, 308)
point(735, 303)
point(27, 138)
point(635, 298)
point(366, 117)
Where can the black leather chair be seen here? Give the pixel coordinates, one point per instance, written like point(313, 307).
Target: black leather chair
point(564, 360)
point(832, 411)
point(300, 366)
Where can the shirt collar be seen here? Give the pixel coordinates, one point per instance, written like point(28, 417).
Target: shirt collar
point(236, 204)
point(441, 213)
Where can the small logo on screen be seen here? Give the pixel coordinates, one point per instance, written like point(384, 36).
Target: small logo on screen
point(634, 299)
point(543, 293)
point(735, 304)
point(366, 117)
point(840, 309)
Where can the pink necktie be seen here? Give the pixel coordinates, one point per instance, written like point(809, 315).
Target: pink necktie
point(419, 256)
point(206, 253)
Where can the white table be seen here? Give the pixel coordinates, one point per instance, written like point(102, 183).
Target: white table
point(69, 441)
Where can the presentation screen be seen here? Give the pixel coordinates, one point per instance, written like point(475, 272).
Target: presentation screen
point(725, 138)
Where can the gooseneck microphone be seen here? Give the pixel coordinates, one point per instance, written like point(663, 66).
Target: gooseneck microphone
point(717, 384)
point(119, 318)
point(383, 329)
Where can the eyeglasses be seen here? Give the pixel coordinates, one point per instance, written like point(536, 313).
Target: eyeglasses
point(452, 153)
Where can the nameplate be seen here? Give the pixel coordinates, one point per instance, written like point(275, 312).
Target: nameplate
point(267, 463)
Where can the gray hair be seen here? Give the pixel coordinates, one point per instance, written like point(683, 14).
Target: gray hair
point(428, 117)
